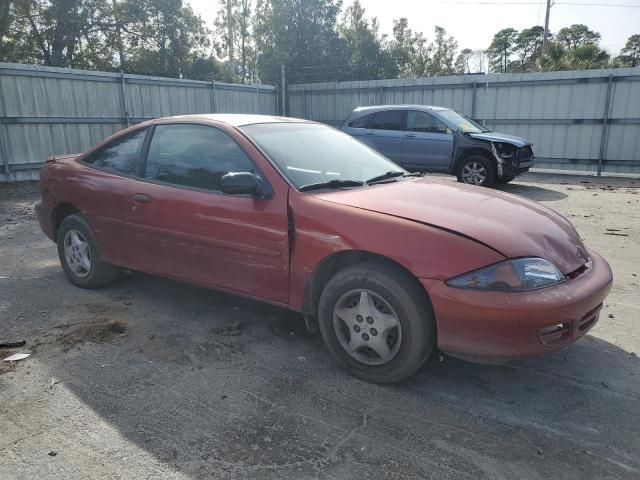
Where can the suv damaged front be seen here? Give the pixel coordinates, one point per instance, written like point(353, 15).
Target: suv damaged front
point(513, 155)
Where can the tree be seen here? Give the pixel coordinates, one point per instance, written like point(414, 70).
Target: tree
point(241, 11)
point(576, 36)
point(444, 51)
point(409, 51)
point(463, 62)
point(364, 51)
point(300, 34)
point(501, 49)
point(630, 54)
point(528, 48)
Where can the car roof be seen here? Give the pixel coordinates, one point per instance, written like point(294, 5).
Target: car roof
point(373, 108)
point(232, 119)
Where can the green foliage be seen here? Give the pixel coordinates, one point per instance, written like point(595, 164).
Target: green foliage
point(630, 54)
point(316, 40)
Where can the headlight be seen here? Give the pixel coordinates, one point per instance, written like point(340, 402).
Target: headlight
point(515, 275)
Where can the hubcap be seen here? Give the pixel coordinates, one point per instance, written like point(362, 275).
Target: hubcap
point(474, 173)
point(367, 327)
point(77, 253)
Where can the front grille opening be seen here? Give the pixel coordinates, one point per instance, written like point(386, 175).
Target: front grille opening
point(589, 319)
point(579, 271)
point(555, 334)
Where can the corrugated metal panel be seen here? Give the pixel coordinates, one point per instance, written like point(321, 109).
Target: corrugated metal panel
point(46, 111)
point(560, 112)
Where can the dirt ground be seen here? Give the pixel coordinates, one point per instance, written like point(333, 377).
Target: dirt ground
point(151, 378)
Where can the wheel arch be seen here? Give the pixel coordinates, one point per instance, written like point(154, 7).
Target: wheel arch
point(59, 213)
point(336, 262)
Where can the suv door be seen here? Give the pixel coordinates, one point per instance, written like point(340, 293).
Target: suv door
point(427, 143)
point(105, 194)
point(382, 131)
point(182, 226)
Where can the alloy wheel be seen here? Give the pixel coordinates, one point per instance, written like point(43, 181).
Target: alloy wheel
point(474, 173)
point(77, 253)
point(367, 327)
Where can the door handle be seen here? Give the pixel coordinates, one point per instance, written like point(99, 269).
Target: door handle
point(409, 135)
point(141, 198)
point(369, 133)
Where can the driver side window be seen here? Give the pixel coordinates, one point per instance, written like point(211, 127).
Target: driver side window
point(425, 123)
point(195, 156)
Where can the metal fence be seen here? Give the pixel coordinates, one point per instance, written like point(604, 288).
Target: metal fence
point(46, 111)
point(578, 120)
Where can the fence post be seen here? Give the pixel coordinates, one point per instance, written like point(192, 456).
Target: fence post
point(4, 160)
point(381, 96)
point(605, 125)
point(283, 93)
point(213, 96)
point(304, 103)
point(257, 99)
point(473, 100)
point(124, 97)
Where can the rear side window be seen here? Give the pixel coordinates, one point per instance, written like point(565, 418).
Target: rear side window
point(423, 122)
point(388, 120)
point(119, 155)
point(361, 122)
point(194, 156)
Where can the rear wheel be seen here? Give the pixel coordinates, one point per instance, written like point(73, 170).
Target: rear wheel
point(377, 322)
point(476, 170)
point(79, 254)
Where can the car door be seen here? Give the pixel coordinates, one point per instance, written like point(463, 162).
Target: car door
point(182, 226)
point(105, 192)
point(382, 131)
point(427, 143)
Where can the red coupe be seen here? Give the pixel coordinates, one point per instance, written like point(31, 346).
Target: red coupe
point(388, 265)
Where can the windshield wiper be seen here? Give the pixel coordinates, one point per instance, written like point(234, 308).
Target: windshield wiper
point(392, 174)
point(331, 184)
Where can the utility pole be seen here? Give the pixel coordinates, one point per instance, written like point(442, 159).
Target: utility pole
point(232, 68)
point(545, 38)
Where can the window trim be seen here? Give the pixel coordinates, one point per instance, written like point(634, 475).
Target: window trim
point(262, 179)
point(431, 115)
point(103, 146)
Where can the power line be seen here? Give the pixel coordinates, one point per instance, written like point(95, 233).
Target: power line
point(623, 5)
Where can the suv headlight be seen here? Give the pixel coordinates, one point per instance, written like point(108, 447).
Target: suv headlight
point(516, 275)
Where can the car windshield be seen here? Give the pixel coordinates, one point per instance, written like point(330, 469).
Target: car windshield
point(309, 154)
point(461, 122)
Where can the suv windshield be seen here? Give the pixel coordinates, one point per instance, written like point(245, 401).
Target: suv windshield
point(308, 154)
point(461, 122)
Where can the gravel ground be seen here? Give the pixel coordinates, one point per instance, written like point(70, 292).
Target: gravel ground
point(151, 378)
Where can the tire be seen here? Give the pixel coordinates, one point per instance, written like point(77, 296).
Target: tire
point(506, 179)
point(486, 172)
point(75, 233)
point(390, 292)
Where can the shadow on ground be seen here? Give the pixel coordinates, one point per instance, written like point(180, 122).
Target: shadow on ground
point(215, 385)
point(532, 192)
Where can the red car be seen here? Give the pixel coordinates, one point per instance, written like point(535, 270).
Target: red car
point(387, 264)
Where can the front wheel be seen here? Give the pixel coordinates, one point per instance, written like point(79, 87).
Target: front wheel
point(476, 170)
point(377, 322)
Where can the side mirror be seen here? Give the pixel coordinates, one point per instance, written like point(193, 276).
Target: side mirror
point(241, 183)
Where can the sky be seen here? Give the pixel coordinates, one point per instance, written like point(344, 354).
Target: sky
point(474, 22)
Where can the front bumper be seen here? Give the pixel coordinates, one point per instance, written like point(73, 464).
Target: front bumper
point(489, 325)
point(44, 218)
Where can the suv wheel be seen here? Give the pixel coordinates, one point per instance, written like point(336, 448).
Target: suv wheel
point(476, 170)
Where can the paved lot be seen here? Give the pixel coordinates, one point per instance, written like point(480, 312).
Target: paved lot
point(155, 379)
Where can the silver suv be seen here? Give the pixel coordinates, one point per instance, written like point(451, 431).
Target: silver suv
point(438, 139)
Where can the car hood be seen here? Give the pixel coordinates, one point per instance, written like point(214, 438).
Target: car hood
point(501, 137)
point(509, 224)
